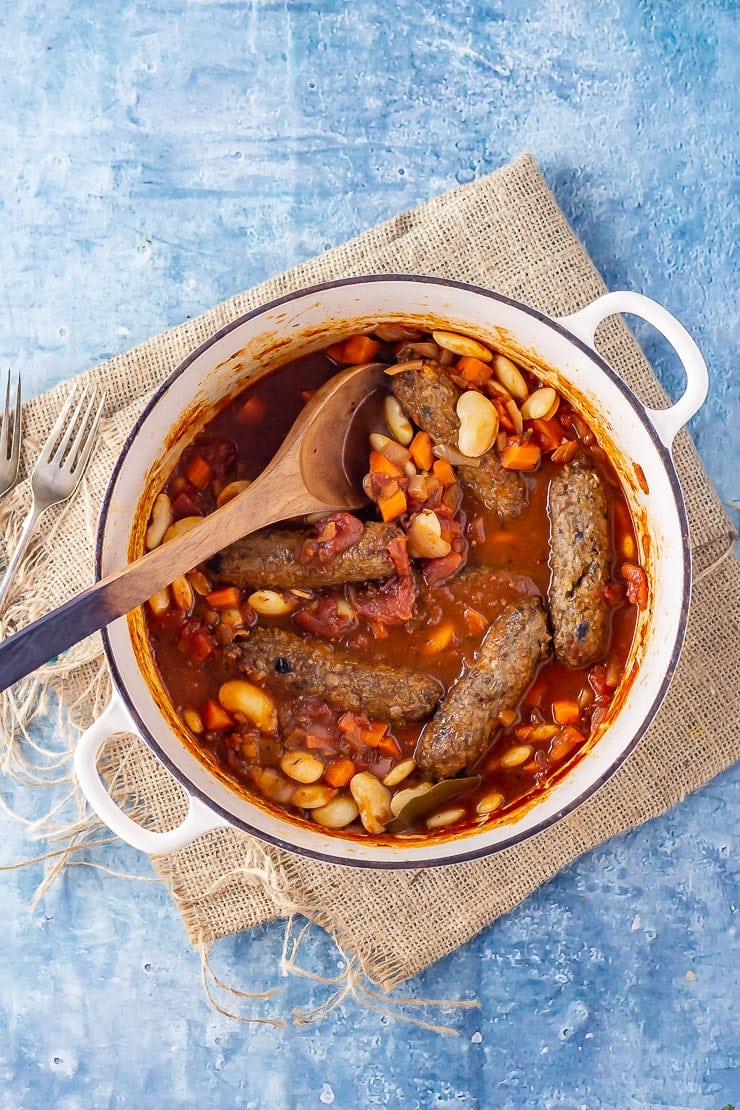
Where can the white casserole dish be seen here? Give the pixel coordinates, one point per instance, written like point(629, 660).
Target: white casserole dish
point(637, 439)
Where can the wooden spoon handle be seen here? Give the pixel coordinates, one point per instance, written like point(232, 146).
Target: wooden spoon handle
point(271, 497)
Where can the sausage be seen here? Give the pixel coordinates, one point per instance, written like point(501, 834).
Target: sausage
point(268, 559)
point(460, 731)
point(429, 398)
point(305, 668)
point(579, 564)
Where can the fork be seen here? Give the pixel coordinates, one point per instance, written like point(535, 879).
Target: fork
point(60, 465)
point(10, 440)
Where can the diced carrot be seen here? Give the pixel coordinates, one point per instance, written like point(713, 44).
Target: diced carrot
point(198, 472)
point(474, 370)
point(565, 711)
point(214, 717)
point(505, 538)
point(339, 772)
point(393, 506)
point(443, 472)
point(567, 450)
point(389, 745)
point(566, 741)
point(252, 411)
point(381, 464)
point(360, 348)
point(507, 717)
point(518, 455)
point(336, 352)
point(374, 732)
point(439, 638)
point(504, 416)
point(225, 598)
point(356, 349)
point(420, 450)
point(475, 621)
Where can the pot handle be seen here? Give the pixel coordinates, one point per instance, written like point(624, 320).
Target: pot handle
point(199, 818)
point(667, 422)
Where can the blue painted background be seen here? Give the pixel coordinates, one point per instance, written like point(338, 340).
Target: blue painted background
point(158, 157)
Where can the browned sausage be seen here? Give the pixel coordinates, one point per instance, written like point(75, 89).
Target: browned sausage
point(579, 564)
point(428, 397)
point(460, 731)
point(268, 558)
point(310, 667)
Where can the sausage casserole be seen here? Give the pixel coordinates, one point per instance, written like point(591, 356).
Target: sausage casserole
point(428, 664)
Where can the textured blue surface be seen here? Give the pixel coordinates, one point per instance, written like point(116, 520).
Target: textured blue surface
point(159, 157)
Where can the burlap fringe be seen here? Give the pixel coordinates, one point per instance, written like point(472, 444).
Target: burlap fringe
point(350, 983)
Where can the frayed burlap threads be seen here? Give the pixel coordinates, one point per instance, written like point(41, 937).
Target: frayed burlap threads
point(504, 232)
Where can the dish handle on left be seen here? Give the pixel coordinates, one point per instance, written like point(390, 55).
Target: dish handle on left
point(199, 818)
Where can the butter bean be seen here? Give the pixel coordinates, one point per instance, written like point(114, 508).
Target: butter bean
point(239, 696)
point(373, 801)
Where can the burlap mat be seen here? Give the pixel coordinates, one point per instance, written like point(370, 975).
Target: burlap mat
point(504, 232)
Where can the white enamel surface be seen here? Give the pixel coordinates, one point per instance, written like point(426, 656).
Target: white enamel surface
point(621, 425)
point(198, 818)
point(667, 422)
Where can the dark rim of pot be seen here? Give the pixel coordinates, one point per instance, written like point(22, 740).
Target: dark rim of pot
point(473, 852)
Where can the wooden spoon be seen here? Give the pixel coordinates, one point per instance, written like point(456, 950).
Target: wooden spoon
point(308, 474)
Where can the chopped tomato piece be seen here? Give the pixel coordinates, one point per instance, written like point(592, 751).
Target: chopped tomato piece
point(598, 678)
point(399, 554)
point(637, 584)
point(188, 503)
point(334, 534)
point(215, 718)
point(390, 602)
point(323, 617)
point(548, 433)
point(196, 641)
point(565, 742)
point(437, 570)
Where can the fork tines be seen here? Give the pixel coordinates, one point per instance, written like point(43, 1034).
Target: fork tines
point(10, 440)
point(71, 439)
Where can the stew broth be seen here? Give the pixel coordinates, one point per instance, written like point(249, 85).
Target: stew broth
point(344, 768)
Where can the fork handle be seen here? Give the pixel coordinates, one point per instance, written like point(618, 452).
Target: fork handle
point(28, 527)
